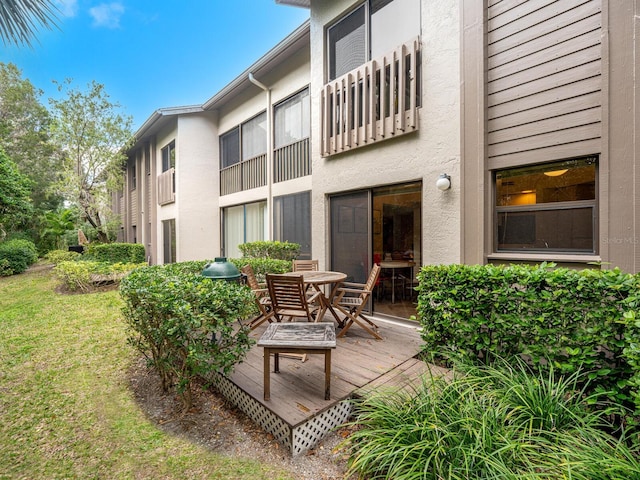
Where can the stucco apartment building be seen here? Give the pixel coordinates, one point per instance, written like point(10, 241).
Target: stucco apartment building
point(345, 136)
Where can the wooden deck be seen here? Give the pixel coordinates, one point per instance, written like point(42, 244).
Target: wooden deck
point(297, 407)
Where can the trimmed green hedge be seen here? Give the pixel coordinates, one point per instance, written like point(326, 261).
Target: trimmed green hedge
point(270, 249)
point(58, 256)
point(16, 256)
point(262, 266)
point(116, 252)
point(570, 319)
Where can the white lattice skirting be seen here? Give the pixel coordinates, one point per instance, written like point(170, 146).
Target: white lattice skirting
point(297, 439)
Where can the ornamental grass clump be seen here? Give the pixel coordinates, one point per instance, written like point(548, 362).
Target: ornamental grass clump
point(186, 325)
point(487, 422)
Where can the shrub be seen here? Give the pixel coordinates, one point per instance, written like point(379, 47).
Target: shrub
point(58, 256)
point(116, 252)
point(86, 274)
point(16, 256)
point(487, 423)
point(184, 323)
point(262, 266)
point(566, 319)
point(5, 268)
point(270, 249)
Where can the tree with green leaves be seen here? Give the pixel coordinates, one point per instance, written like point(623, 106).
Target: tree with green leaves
point(19, 19)
point(24, 135)
point(93, 137)
point(15, 204)
point(58, 223)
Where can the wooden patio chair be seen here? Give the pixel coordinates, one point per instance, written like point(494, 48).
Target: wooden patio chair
point(350, 299)
point(289, 298)
point(263, 301)
point(305, 265)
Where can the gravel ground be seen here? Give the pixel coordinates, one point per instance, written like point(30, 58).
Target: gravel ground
point(216, 425)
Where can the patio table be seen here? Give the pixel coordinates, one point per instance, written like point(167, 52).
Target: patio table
point(393, 265)
point(300, 338)
point(318, 278)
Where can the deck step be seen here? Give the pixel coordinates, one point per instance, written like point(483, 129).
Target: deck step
point(408, 376)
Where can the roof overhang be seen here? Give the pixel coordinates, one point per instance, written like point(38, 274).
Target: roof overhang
point(296, 3)
point(160, 118)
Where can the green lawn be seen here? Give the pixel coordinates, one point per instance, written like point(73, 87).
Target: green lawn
point(65, 407)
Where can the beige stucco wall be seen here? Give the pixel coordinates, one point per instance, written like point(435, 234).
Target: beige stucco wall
point(283, 81)
point(424, 155)
point(165, 212)
point(197, 185)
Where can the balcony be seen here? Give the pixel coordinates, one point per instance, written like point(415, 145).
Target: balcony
point(167, 187)
point(375, 102)
point(291, 161)
point(245, 175)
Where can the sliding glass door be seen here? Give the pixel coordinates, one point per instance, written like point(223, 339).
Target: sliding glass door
point(380, 225)
point(350, 235)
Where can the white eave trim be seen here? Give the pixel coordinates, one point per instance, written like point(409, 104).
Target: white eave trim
point(296, 3)
point(165, 112)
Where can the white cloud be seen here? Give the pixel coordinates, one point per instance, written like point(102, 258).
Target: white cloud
point(68, 8)
point(107, 15)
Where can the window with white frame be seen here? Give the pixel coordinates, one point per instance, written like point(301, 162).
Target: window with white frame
point(374, 28)
point(292, 119)
point(242, 224)
point(547, 208)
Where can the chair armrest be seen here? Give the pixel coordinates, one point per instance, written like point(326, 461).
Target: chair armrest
point(352, 284)
point(354, 290)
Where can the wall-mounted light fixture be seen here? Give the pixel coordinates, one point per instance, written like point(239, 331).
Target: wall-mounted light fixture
point(444, 182)
point(556, 173)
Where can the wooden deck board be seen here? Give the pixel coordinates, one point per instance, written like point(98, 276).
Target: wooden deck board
point(297, 392)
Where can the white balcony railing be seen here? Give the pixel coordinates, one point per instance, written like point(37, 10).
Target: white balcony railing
point(167, 187)
point(375, 102)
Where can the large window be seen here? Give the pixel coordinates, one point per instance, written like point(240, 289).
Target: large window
point(547, 208)
point(230, 148)
point(245, 142)
point(373, 29)
point(292, 221)
point(134, 174)
point(169, 157)
point(254, 137)
point(348, 48)
point(292, 119)
point(169, 240)
point(242, 224)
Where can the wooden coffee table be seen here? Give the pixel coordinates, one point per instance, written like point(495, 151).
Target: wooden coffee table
point(301, 338)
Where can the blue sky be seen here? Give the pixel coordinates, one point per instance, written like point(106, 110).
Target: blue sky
point(151, 54)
